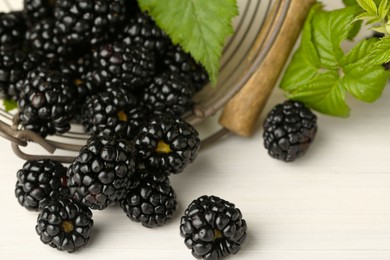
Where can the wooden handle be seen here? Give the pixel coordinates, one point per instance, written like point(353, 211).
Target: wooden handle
point(241, 113)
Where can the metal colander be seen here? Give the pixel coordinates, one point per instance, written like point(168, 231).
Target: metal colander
point(265, 32)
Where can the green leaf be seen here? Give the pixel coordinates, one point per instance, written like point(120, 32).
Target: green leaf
point(383, 9)
point(199, 26)
point(381, 51)
point(10, 104)
point(349, 2)
point(368, 5)
point(360, 53)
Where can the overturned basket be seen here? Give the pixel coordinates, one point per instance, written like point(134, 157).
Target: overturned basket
point(253, 58)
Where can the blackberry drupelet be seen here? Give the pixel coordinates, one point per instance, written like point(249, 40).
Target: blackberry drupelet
point(114, 112)
point(151, 202)
point(65, 224)
point(167, 144)
point(169, 93)
point(39, 182)
point(289, 129)
point(119, 63)
point(212, 228)
point(88, 21)
point(47, 102)
point(177, 60)
point(12, 30)
point(142, 31)
point(37, 10)
point(102, 172)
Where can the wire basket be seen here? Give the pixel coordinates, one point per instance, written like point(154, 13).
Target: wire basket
point(265, 32)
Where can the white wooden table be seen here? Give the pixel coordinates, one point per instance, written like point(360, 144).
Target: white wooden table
point(334, 203)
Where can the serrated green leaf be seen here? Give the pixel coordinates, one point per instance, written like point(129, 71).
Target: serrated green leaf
point(383, 9)
point(379, 29)
point(366, 16)
point(360, 53)
point(10, 104)
point(349, 2)
point(199, 26)
point(356, 27)
point(368, 5)
point(381, 51)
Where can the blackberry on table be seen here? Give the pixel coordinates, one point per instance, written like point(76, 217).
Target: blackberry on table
point(12, 30)
point(212, 228)
point(168, 93)
point(39, 182)
point(64, 224)
point(167, 144)
point(123, 64)
point(100, 175)
point(114, 112)
point(177, 60)
point(37, 10)
point(47, 102)
point(88, 21)
point(151, 202)
point(289, 129)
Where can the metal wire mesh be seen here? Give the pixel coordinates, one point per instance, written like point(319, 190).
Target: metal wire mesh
point(242, 55)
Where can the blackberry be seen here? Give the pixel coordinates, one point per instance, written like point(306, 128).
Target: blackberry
point(12, 30)
point(152, 202)
point(169, 93)
point(289, 129)
point(177, 60)
point(37, 10)
point(47, 102)
point(81, 21)
point(114, 112)
point(64, 224)
point(101, 173)
point(142, 31)
point(123, 64)
point(167, 144)
point(212, 228)
point(39, 182)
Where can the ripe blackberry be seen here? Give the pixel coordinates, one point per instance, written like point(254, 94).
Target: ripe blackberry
point(289, 129)
point(47, 102)
point(44, 39)
point(12, 30)
point(177, 60)
point(114, 112)
point(101, 173)
point(142, 31)
point(167, 144)
point(212, 228)
point(123, 64)
point(168, 93)
point(64, 224)
point(152, 202)
point(37, 10)
point(81, 21)
point(40, 181)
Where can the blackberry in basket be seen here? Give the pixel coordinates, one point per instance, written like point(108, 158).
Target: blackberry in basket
point(102, 172)
point(37, 10)
point(39, 182)
point(47, 102)
point(213, 228)
point(88, 21)
point(12, 30)
point(64, 224)
point(114, 112)
point(289, 129)
point(169, 93)
point(152, 201)
point(123, 64)
point(167, 144)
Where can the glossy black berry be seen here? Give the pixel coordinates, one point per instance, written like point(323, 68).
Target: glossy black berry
point(119, 63)
point(64, 224)
point(151, 202)
point(167, 144)
point(114, 112)
point(37, 10)
point(47, 102)
point(169, 93)
point(212, 228)
point(39, 182)
point(12, 30)
point(101, 173)
point(289, 129)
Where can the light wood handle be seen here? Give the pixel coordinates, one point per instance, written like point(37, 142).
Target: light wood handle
point(241, 113)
